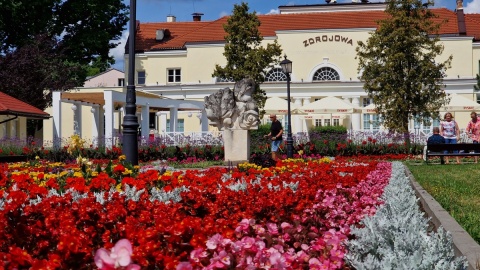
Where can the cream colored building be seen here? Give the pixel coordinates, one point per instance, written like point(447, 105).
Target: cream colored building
point(175, 61)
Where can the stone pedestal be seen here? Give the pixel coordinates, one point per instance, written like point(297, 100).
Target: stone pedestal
point(236, 144)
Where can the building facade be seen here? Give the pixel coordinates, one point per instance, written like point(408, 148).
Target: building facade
point(176, 59)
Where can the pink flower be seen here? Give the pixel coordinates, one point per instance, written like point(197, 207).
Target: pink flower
point(272, 228)
point(276, 259)
point(214, 241)
point(184, 266)
point(244, 225)
point(221, 260)
point(285, 225)
point(119, 256)
point(197, 254)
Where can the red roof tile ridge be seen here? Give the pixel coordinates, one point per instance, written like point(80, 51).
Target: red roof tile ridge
point(9, 103)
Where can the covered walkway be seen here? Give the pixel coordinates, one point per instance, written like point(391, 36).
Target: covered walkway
point(108, 102)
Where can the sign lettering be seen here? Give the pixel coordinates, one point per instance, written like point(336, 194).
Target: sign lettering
point(327, 38)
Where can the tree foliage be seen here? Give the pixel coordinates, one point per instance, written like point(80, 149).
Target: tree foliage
point(76, 34)
point(30, 71)
point(246, 57)
point(399, 65)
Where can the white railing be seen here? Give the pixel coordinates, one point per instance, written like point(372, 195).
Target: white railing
point(184, 138)
point(384, 136)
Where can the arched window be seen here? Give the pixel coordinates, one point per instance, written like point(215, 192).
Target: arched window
point(326, 74)
point(276, 75)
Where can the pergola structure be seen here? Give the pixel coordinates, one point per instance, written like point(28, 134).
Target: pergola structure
point(108, 100)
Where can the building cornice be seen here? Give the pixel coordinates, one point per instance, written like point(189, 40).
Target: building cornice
point(334, 7)
point(169, 53)
point(325, 30)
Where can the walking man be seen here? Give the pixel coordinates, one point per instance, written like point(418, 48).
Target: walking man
point(276, 132)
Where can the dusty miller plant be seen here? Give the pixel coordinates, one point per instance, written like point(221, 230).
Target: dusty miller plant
point(396, 237)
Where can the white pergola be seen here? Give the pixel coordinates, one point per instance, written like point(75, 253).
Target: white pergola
point(111, 97)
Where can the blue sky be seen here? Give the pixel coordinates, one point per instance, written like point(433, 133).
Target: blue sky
point(158, 10)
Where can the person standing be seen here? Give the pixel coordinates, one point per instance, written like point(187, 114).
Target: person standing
point(450, 131)
point(276, 132)
point(473, 130)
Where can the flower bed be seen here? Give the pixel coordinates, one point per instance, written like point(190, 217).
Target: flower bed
point(295, 215)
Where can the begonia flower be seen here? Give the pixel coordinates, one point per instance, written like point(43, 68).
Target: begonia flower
point(119, 256)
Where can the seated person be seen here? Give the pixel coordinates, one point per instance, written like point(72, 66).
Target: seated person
point(436, 137)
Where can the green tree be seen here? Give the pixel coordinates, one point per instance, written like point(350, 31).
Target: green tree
point(399, 65)
point(246, 57)
point(77, 35)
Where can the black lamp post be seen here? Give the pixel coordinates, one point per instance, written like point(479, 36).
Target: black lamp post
point(287, 69)
point(130, 121)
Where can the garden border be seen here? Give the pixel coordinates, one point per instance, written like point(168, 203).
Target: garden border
point(463, 243)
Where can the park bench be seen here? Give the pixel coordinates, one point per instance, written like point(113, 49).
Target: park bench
point(462, 149)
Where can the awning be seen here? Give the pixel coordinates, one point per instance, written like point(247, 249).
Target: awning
point(329, 105)
point(372, 109)
point(276, 105)
point(460, 104)
point(324, 116)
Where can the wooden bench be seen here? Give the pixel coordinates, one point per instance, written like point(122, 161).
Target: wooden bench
point(462, 149)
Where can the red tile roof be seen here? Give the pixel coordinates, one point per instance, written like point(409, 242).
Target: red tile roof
point(183, 33)
point(472, 22)
point(12, 106)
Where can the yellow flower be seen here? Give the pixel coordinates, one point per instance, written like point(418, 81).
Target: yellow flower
point(119, 187)
point(37, 157)
point(122, 157)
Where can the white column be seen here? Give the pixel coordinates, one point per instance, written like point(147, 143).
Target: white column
point(203, 120)
point(162, 125)
point(306, 101)
point(95, 124)
point(173, 119)
point(74, 108)
point(356, 117)
point(57, 118)
point(145, 122)
point(14, 130)
point(296, 118)
point(108, 108)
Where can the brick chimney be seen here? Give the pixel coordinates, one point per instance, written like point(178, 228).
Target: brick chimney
point(462, 28)
point(197, 16)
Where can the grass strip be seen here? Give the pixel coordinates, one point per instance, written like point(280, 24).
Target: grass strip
point(456, 187)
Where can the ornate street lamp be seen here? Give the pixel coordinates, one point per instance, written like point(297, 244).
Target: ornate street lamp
point(287, 69)
point(130, 121)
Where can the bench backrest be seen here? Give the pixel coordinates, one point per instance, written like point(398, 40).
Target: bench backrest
point(450, 147)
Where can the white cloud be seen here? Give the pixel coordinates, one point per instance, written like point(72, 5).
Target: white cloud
point(472, 7)
point(273, 11)
point(119, 52)
point(224, 13)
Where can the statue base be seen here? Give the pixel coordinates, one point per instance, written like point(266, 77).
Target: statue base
point(236, 143)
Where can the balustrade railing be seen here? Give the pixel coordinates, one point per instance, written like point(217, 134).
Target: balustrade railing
point(215, 138)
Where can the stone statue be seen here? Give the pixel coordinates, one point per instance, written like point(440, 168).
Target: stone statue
point(227, 109)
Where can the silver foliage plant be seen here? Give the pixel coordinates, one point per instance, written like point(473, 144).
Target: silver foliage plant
point(396, 237)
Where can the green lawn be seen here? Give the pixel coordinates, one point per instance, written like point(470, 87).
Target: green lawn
point(456, 187)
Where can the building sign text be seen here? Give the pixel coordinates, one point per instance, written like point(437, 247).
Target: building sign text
point(327, 38)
